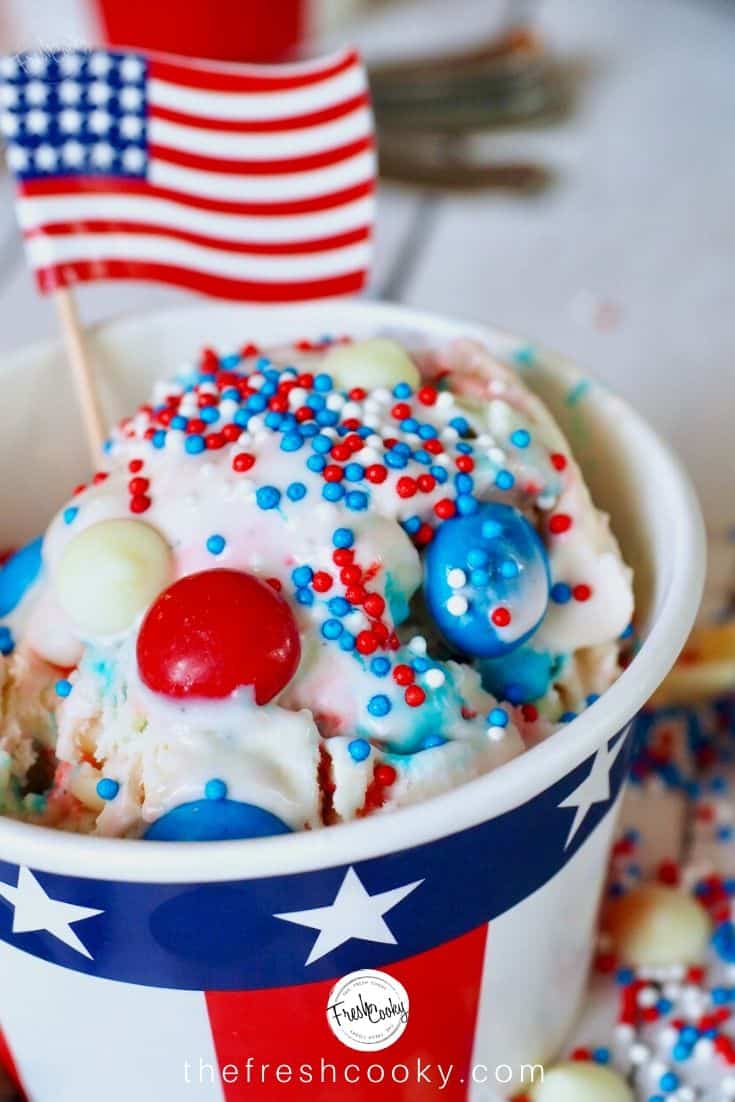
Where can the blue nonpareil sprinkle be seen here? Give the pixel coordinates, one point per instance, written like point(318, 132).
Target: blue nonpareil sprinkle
point(316, 463)
point(379, 705)
point(194, 444)
point(216, 544)
point(296, 491)
point(380, 666)
point(321, 444)
point(343, 537)
point(107, 788)
point(357, 500)
point(521, 438)
point(359, 749)
point(302, 575)
point(267, 497)
point(69, 514)
point(333, 491)
point(63, 687)
point(331, 629)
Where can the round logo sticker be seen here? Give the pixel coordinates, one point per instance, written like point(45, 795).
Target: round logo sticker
point(367, 1010)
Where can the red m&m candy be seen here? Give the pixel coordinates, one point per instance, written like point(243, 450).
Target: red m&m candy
point(212, 633)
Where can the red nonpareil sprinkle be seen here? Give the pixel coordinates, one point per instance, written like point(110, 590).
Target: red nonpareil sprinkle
point(208, 359)
point(357, 394)
point(464, 463)
point(581, 1054)
point(376, 473)
point(341, 452)
point(140, 503)
point(343, 556)
point(427, 395)
point(135, 465)
point(406, 487)
point(195, 426)
point(385, 775)
point(354, 442)
point(424, 535)
point(558, 461)
point(374, 604)
point(101, 476)
point(243, 462)
point(350, 575)
point(333, 473)
point(501, 617)
point(321, 581)
point(401, 411)
point(215, 441)
point(529, 713)
point(231, 433)
point(403, 675)
point(366, 642)
point(304, 413)
point(206, 400)
point(581, 593)
point(414, 696)
point(80, 488)
point(668, 873)
point(138, 485)
point(445, 508)
point(355, 594)
point(433, 446)
point(275, 583)
point(249, 350)
point(559, 523)
point(426, 483)
point(278, 404)
point(305, 380)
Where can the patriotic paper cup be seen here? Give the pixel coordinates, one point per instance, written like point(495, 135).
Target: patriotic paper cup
point(166, 971)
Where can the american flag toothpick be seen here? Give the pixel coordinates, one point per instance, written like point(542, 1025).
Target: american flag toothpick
point(245, 182)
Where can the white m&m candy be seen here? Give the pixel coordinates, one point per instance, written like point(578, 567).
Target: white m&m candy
point(374, 363)
point(657, 925)
point(581, 1082)
point(110, 573)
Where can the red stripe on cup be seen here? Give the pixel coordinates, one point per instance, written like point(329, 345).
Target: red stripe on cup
point(288, 1026)
point(8, 1063)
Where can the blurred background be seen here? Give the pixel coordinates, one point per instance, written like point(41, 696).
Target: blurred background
point(563, 169)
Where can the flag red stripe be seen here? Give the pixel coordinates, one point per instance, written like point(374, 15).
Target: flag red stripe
point(54, 276)
point(285, 167)
point(72, 185)
point(222, 79)
point(288, 1026)
point(7, 1062)
point(254, 248)
point(261, 126)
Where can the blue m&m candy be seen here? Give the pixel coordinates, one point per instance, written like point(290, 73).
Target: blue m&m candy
point(18, 575)
point(215, 819)
point(487, 580)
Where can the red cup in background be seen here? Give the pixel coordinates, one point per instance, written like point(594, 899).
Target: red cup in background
point(227, 30)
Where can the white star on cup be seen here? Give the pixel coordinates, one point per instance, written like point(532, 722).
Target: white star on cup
point(34, 910)
point(353, 914)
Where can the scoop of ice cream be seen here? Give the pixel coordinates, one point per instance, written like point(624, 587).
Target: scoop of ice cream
point(308, 585)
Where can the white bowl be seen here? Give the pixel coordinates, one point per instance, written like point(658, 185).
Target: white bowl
point(528, 985)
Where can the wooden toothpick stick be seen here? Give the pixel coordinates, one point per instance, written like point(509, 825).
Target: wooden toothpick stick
point(82, 372)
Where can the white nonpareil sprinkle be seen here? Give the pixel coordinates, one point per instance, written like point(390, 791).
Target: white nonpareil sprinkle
point(457, 605)
point(434, 678)
point(456, 578)
point(639, 1054)
point(418, 644)
point(495, 734)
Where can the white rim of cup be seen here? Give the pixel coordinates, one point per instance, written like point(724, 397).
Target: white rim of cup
point(509, 786)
